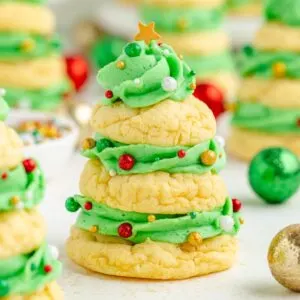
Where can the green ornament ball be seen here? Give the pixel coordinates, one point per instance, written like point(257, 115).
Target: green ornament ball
point(133, 50)
point(103, 144)
point(274, 174)
point(72, 205)
point(4, 288)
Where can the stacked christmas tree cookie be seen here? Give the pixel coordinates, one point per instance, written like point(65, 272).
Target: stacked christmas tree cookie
point(244, 8)
point(28, 266)
point(31, 68)
point(194, 29)
point(268, 112)
point(152, 204)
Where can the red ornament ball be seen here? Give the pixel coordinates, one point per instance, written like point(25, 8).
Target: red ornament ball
point(126, 162)
point(237, 205)
point(212, 96)
point(78, 70)
point(47, 269)
point(181, 153)
point(88, 205)
point(4, 176)
point(109, 94)
point(29, 165)
point(125, 230)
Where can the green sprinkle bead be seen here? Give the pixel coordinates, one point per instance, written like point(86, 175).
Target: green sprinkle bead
point(193, 215)
point(72, 205)
point(248, 50)
point(4, 288)
point(133, 50)
point(103, 144)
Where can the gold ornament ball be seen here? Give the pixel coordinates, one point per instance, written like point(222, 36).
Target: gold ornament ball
point(279, 69)
point(208, 158)
point(284, 257)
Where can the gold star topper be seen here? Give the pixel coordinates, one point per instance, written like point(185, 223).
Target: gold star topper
point(147, 33)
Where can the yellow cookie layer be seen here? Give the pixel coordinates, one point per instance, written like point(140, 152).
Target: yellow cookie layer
point(26, 17)
point(32, 74)
point(20, 232)
point(248, 10)
point(280, 37)
point(168, 123)
point(10, 148)
point(185, 3)
point(281, 93)
point(157, 193)
point(151, 260)
point(245, 144)
point(50, 292)
point(197, 43)
point(226, 81)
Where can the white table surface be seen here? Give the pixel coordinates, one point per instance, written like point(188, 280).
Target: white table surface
point(249, 279)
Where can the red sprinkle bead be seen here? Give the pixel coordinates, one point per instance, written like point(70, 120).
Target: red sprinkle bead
point(4, 176)
point(29, 165)
point(125, 230)
point(126, 162)
point(236, 204)
point(181, 153)
point(47, 269)
point(109, 94)
point(88, 205)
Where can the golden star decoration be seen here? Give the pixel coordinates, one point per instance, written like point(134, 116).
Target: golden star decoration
point(147, 33)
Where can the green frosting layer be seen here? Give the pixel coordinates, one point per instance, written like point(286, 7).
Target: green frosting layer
point(151, 74)
point(237, 3)
point(25, 274)
point(4, 109)
point(259, 117)
point(166, 228)
point(258, 63)
point(13, 46)
point(28, 187)
point(183, 19)
point(44, 99)
point(287, 11)
point(203, 65)
point(150, 158)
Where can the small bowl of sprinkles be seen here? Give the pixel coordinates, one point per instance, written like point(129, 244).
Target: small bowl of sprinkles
point(48, 138)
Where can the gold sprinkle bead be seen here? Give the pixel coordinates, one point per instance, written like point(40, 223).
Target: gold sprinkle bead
point(182, 24)
point(94, 229)
point(151, 218)
point(15, 200)
point(120, 65)
point(88, 143)
point(195, 239)
point(208, 158)
point(279, 69)
point(193, 86)
point(242, 220)
point(28, 45)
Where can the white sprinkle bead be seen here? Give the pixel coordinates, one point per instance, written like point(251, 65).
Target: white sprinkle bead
point(112, 173)
point(54, 251)
point(137, 81)
point(2, 92)
point(220, 140)
point(226, 223)
point(169, 84)
point(166, 52)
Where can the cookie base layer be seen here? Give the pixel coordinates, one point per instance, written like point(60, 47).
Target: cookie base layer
point(245, 144)
point(50, 292)
point(150, 260)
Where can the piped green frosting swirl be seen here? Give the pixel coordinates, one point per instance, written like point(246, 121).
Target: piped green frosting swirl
point(28, 187)
point(287, 11)
point(189, 19)
point(12, 46)
point(260, 63)
point(25, 274)
point(166, 228)
point(150, 158)
point(146, 67)
point(238, 3)
point(255, 116)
